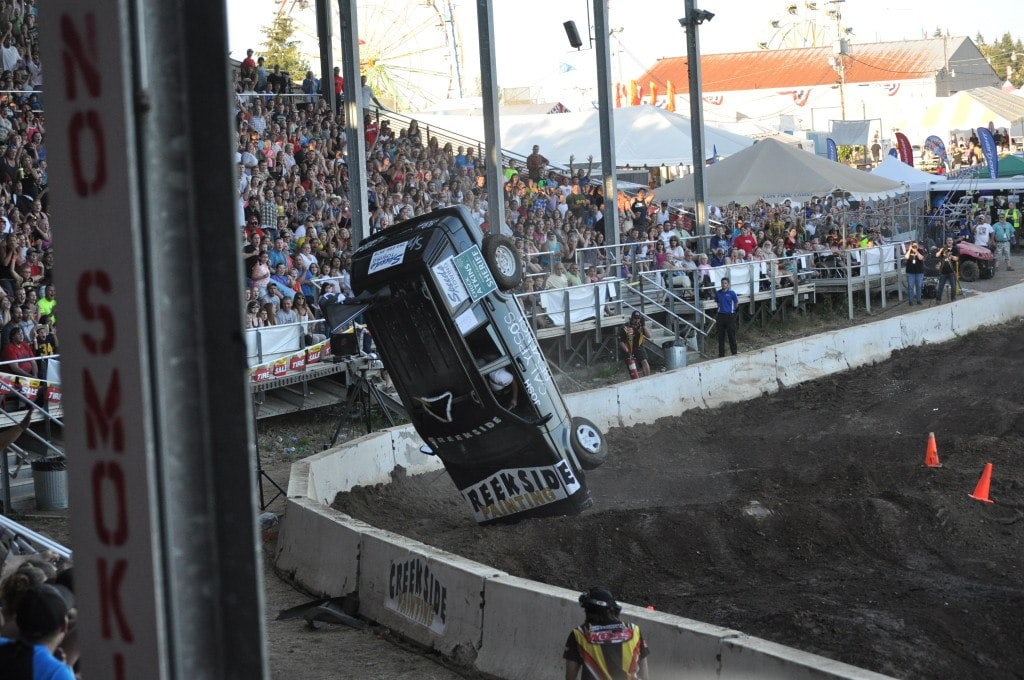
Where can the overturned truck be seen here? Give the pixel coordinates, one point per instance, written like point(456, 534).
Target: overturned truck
point(468, 368)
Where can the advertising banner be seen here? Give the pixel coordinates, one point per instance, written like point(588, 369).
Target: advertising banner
point(906, 151)
point(831, 150)
point(988, 147)
point(289, 364)
point(936, 147)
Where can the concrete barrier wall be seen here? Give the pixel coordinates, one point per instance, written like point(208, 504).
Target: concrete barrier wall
point(367, 461)
point(928, 325)
point(798, 361)
point(864, 345)
point(600, 406)
point(729, 380)
point(486, 612)
point(319, 548)
point(433, 597)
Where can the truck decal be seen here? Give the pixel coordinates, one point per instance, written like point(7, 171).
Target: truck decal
point(450, 283)
point(385, 258)
point(510, 491)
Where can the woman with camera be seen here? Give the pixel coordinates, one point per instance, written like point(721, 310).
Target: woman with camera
point(915, 273)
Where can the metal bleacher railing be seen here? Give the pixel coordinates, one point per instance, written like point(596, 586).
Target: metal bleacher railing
point(24, 401)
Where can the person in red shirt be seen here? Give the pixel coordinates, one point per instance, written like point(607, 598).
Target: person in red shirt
point(339, 81)
point(370, 126)
point(17, 350)
point(746, 240)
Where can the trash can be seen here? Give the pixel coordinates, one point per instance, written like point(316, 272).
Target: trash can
point(50, 479)
point(675, 355)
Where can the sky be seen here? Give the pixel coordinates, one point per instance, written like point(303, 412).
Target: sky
point(532, 49)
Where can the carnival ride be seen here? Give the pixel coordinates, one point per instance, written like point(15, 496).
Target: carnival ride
point(811, 24)
point(409, 50)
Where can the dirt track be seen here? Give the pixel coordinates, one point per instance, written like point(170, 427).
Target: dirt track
point(805, 518)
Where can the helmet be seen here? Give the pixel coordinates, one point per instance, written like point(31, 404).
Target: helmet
point(599, 598)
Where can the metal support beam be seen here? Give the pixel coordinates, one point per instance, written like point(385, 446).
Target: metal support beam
point(606, 118)
point(325, 37)
point(156, 406)
point(356, 156)
point(696, 118)
point(494, 173)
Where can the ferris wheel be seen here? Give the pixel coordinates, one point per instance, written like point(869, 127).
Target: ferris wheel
point(811, 24)
point(409, 50)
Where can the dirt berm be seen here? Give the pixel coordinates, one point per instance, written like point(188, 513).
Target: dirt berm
point(806, 517)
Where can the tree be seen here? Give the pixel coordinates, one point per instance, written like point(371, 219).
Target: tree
point(280, 49)
point(1005, 52)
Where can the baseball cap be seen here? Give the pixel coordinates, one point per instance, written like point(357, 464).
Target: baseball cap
point(42, 611)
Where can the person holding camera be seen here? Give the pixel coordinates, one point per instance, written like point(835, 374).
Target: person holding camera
point(633, 339)
point(947, 270)
point(728, 305)
point(915, 273)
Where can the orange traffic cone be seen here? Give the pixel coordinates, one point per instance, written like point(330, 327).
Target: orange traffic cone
point(981, 491)
point(931, 454)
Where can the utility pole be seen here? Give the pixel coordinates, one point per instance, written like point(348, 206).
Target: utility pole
point(694, 18)
point(839, 52)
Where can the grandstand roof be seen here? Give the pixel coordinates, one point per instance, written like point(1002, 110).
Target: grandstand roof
point(809, 66)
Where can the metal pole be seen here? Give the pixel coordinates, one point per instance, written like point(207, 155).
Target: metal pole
point(325, 37)
point(696, 118)
point(606, 116)
point(356, 156)
point(453, 38)
point(494, 172)
point(157, 413)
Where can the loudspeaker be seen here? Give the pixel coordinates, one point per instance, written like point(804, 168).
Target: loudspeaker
point(572, 34)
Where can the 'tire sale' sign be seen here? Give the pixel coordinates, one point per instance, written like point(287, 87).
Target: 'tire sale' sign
point(107, 405)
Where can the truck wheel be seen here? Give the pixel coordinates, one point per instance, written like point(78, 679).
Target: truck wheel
point(588, 444)
point(503, 260)
point(969, 271)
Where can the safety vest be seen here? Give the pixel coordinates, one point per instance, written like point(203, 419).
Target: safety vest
point(592, 641)
point(1013, 217)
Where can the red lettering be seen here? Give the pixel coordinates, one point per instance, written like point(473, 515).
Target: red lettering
point(103, 417)
point(113, 473)
point(79, 122)
point(119, 667)
point(96, 279)
point(110, 599)
point(83, 55)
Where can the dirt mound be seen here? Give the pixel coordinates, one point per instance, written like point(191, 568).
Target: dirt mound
point(805, 517)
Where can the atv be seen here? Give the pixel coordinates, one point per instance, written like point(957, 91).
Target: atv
point(975, 262)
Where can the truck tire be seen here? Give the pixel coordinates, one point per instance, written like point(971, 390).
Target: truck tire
point(969, 271)
point(502, 258)
point(588, 443)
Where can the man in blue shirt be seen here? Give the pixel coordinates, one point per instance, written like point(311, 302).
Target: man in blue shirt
point(727, 321)
point(42, 618)
point(1002, 232)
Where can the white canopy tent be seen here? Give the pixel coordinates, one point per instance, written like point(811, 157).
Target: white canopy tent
point(971, 109)
point(898, 171)
point(776, 171)
point(644, 135)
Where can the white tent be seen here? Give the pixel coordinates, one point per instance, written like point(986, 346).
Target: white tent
point(644, 135)
point(774, 171)
point(898, 171)
point(971, 109)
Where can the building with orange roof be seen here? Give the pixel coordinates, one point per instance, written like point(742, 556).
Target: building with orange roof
point(799, 89)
